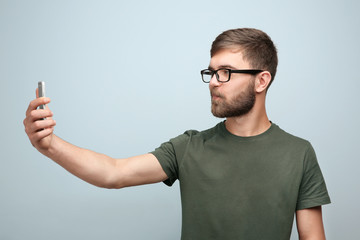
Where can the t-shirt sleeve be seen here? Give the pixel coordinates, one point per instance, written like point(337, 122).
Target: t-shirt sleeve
point(170, 155)
point(165, 154)
point(313, 191)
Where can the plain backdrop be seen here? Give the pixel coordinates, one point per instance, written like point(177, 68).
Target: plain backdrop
point(124, 76)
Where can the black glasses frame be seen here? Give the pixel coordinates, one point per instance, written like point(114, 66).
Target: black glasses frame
point(212, 72)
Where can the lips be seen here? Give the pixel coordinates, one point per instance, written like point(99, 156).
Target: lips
point(215, 96)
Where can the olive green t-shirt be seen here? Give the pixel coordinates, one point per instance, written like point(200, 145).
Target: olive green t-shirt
point(242, 187)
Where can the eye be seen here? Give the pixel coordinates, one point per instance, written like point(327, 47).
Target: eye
point(223, 73)
point(207, 72)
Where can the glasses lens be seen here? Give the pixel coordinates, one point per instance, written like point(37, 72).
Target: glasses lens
point(223, 75)
point(206, 75)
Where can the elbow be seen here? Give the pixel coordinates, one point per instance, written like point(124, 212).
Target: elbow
point(113, 182)
point(113, 186)
point(113, 178)
point(117, 176)
point(109, 185)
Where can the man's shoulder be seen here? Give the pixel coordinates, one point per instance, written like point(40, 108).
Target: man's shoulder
point(288, 138)
point(201, 135)
point(204, 133)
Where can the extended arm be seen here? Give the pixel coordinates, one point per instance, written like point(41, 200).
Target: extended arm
point(95, 168)
point(309, 224)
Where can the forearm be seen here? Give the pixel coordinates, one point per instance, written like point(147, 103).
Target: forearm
point(92, 167)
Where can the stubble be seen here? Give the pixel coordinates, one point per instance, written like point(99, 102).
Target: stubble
point(240, 105)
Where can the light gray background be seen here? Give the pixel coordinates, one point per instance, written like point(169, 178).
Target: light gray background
point(124, 77)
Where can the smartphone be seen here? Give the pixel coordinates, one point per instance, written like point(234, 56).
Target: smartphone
point(41, 87)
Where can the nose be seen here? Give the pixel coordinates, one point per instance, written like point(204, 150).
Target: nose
point(213, 82)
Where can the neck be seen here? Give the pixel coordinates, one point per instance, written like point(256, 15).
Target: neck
point(251, 124)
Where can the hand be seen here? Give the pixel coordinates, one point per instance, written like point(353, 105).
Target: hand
point(39, 130)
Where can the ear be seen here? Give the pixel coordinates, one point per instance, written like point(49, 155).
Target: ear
point(262, 81)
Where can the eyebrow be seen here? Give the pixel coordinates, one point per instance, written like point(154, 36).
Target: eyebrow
point(222, 66)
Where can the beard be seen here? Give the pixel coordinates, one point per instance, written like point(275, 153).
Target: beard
point(240, 105)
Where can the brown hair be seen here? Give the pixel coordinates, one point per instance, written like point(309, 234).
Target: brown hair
point(256, 46)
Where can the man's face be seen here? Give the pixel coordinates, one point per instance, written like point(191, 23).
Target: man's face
point(236, 97)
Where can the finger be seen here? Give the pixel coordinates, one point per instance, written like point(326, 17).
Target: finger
point(37, 136)
point(47, 107)
point(41, 125)
point(34, 104)
point(37, 96)
point(39, 114)
point(33, 127)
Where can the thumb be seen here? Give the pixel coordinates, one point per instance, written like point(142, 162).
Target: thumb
point(47, 108)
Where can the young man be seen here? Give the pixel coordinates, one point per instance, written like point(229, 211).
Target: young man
point(242, 179)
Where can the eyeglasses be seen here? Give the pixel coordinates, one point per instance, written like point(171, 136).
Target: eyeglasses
point(224, 74)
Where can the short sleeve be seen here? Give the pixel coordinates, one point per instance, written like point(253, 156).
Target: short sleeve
point(313, 191)
point(170, 155)
point(165, 154)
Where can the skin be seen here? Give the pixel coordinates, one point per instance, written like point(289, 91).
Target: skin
point(310, 224)
point(104, 171)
